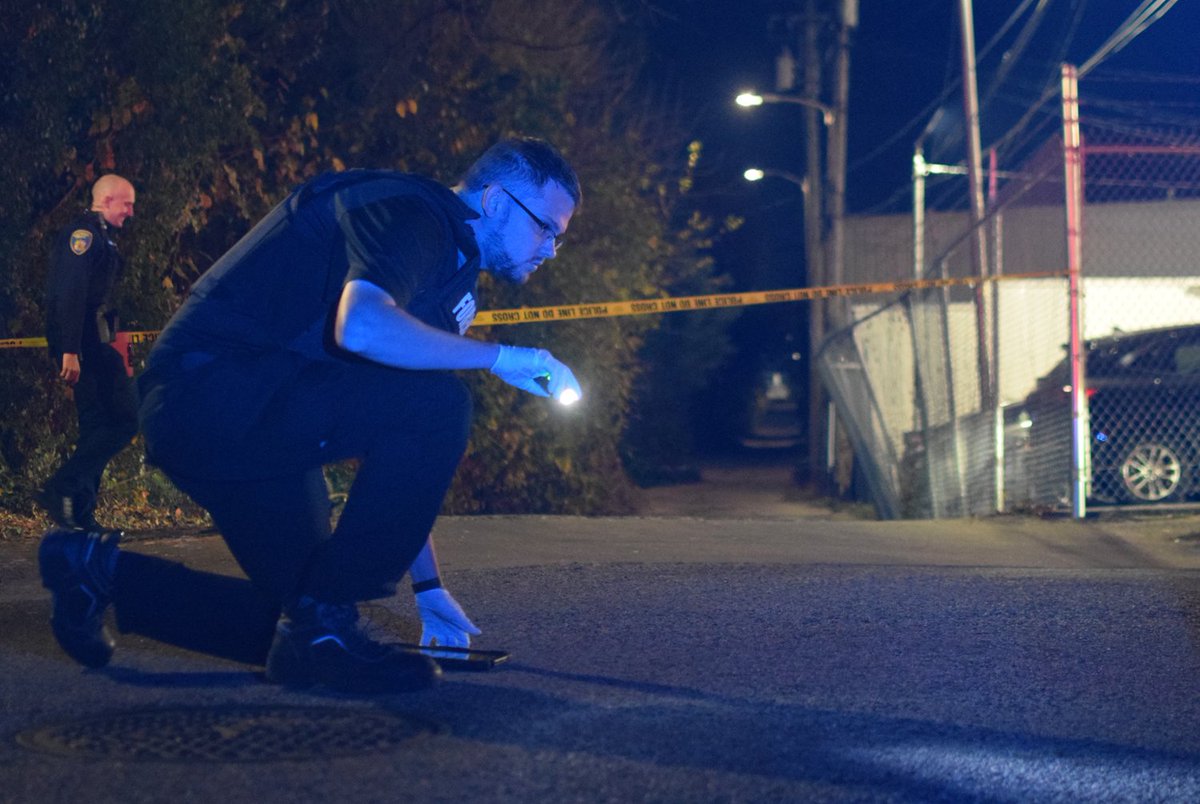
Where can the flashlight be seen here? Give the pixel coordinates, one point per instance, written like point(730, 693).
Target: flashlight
point(567, 396)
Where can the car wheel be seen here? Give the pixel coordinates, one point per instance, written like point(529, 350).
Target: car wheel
point(1155, 470)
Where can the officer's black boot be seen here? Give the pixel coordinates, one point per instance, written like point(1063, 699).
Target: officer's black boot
point(323, 644)
point(60, 507)
point(78, 569)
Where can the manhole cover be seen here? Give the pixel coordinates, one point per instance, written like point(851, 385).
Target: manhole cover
point(241, 734)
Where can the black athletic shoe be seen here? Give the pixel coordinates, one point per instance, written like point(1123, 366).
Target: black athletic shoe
point(323, 644)
point(89, 523)
point(77, 567)
point(60, 508)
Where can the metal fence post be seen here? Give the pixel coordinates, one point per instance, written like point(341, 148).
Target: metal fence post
point(1080, 441)
point(996, 262)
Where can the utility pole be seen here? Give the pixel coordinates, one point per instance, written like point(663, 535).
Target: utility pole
point(814, 185)
point(979, 261)
point(823, 223)
point(836, 154)
point(839, 455)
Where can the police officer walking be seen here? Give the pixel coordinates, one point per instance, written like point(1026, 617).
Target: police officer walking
point(81, 323)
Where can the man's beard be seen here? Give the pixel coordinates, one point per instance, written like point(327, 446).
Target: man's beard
point(499, 262)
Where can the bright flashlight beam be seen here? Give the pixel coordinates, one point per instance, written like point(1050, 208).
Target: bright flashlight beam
point(568, 396)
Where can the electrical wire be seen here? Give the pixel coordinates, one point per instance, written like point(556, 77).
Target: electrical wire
point(1022, 134)
point(1009, 143)
point(1149, 12)
point(951, 87)
point(1010, 58)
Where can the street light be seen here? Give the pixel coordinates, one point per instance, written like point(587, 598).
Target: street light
point(749, 99)
point(758, 174)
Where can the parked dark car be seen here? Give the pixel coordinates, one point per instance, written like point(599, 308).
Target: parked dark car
point(1143, 392)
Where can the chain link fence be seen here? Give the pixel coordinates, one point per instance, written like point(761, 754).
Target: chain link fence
point(957, 397)
point(1141, 257)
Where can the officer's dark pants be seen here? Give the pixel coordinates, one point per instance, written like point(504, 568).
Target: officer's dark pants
point(246, 440)
point(107, 408)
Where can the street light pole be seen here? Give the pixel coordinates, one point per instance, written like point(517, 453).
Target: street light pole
point(758, 174)
point(814, 470)
point(824, 248)
point(837, 312)
point(836, 156)
point(814, 199)
point(759, 98)
point(975, 181)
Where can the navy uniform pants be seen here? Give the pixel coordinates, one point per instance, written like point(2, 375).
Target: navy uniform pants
point(247, 440)
point(107, 410)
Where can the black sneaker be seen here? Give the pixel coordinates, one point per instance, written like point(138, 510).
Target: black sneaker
point(323, 644)
point(88, 522)
point(77, 567)
point(60, 508)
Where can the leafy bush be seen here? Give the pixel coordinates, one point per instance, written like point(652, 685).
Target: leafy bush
point(215, 109)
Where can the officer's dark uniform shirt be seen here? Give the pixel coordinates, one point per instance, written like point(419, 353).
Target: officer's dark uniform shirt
point(84, 269)
point(278, 287)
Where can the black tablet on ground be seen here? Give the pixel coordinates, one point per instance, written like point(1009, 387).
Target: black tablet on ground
point(460, 658)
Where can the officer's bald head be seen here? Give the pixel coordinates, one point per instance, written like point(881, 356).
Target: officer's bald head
point(113, 197)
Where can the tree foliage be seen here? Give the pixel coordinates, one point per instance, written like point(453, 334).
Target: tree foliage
point(215, 109)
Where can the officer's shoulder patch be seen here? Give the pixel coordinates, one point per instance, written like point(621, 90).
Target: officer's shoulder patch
point(81, 241)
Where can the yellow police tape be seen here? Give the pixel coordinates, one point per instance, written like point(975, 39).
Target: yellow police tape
point(146, 336)
point(571, 312)
point(20, 343)
point(717, 301)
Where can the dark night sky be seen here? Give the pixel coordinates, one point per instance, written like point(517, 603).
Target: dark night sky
point(904, 54)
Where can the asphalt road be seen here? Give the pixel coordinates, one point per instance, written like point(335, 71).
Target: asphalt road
point(790, 656)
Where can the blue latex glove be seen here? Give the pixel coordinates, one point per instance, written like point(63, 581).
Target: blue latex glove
point(443, 621)
point(538, 372)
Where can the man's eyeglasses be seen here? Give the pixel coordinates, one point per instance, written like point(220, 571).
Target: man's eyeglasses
point(547, 229)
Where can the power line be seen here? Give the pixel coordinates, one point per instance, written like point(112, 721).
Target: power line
point(1022, 134)
point(1146, 14)
point(922, 116)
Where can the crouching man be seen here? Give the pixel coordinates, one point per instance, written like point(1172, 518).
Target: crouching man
point(328, 332)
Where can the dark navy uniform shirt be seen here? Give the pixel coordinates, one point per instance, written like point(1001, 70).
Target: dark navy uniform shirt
point(278, 287)
point(84, 269)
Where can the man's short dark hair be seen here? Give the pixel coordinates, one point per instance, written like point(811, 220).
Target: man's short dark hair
point(525, 159)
